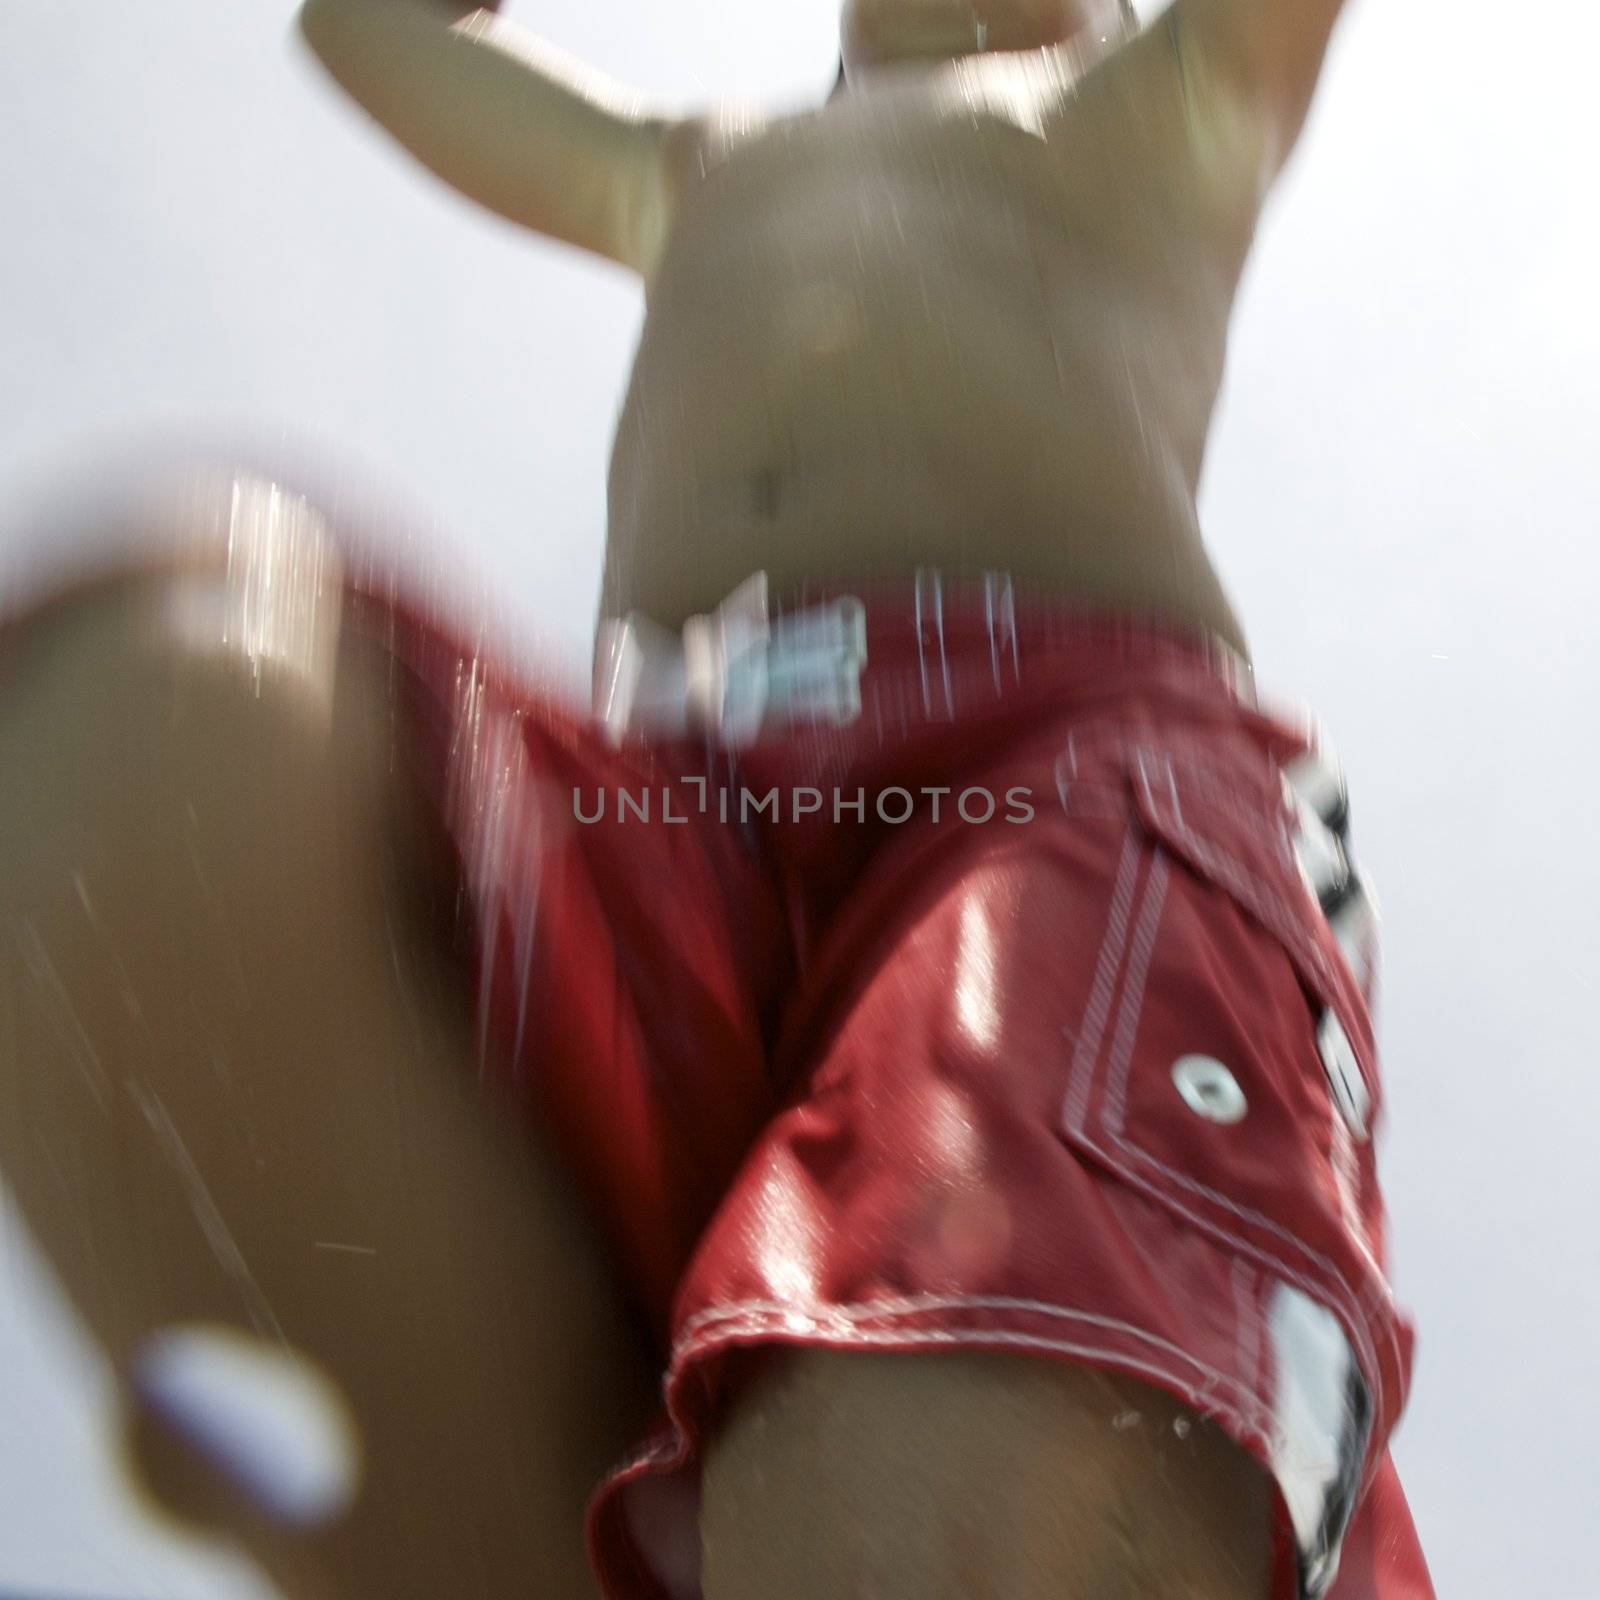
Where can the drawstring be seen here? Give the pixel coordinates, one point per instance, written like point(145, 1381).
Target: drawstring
point(733, 670)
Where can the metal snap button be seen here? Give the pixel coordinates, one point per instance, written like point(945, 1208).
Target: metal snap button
point(1209, 1089)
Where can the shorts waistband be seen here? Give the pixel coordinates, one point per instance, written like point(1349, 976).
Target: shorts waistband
point(930, 605)
point(756, 663)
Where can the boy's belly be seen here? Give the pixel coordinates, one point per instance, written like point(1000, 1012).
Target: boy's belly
point(869, 379)
point(874, 490)
point(871, 519)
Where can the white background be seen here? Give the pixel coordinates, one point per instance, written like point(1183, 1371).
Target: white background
point(200, 241)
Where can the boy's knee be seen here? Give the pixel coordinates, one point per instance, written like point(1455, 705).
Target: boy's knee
point(262, 606)
point(225, 692)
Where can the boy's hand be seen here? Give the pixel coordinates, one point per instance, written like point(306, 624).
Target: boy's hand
point(1270, 51)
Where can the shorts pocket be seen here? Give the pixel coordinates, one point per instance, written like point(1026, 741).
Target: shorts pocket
point(1204, 1062)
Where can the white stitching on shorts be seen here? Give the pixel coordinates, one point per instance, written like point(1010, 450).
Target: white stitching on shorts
point(916, 1304)
point(1107, 964)
point(1254, 1415)
point(711, 1327)
point(1133, 990)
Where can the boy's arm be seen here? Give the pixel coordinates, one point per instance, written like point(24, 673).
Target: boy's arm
point(1270, 52)
point(506, 119)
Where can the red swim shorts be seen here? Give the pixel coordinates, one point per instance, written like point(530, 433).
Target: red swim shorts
point(928, 965)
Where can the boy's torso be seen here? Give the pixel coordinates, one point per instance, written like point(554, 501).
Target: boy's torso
point(973, 317)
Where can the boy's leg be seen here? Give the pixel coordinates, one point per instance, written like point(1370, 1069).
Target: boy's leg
point(238, 1086)
point(951, 1475)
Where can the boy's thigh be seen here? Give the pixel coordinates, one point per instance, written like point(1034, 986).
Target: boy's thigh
point(952, 1475)
point(241, 1086)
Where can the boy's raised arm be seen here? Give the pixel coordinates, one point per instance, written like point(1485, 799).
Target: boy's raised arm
point(505, 118)
point(1269, 51)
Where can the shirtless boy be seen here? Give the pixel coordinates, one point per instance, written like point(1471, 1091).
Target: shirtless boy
point(996, 1192)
